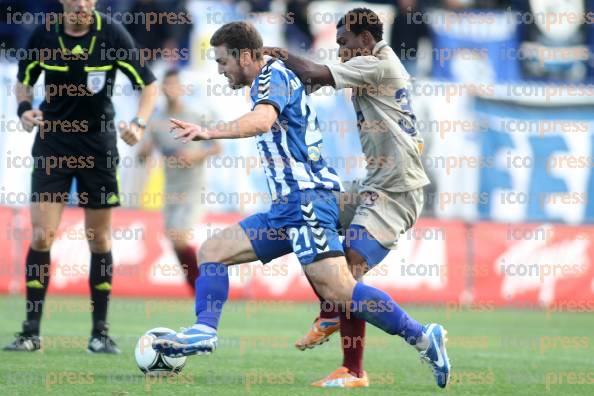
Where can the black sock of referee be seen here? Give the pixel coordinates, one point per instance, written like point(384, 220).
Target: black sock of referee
point(37, 277)
point(100, 282)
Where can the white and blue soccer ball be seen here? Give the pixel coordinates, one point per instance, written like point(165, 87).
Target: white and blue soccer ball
point(152, 362)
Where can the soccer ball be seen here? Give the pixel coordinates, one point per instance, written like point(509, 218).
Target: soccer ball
point(152, 362)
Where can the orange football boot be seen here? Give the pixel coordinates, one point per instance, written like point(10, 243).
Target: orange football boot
point(342, 378)
point(319, 333)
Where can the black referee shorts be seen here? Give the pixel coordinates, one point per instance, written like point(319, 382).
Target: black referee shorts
point(97, 179)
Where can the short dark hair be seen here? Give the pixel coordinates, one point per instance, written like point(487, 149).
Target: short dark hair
point(171, 73)
point(359, 20)
point(238, 37)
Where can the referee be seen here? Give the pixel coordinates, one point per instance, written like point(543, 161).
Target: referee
point(79, 52)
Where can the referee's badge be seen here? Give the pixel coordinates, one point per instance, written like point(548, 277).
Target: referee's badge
point(96, 81)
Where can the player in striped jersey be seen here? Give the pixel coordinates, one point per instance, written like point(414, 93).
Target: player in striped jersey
point(303, 217)
point(292, 151)
point(380, 207)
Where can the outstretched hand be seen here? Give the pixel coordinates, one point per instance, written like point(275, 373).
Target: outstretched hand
point(186, 131)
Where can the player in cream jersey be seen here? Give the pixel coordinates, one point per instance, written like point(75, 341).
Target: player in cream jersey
point(385, 119)
point(377, 209)
point(388, 200)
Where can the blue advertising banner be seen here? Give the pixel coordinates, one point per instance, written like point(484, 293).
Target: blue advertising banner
point(475, 46)
point(542, 161)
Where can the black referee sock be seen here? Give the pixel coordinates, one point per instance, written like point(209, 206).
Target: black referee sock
point(37, 277)
point(100, 283)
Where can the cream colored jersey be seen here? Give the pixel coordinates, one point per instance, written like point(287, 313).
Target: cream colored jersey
point(389, 140)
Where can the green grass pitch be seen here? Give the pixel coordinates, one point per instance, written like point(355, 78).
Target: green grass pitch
point(493, 352)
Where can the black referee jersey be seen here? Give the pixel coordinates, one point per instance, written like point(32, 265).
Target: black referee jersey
point(79, 83)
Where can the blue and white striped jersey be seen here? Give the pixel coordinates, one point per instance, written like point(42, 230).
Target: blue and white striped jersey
point(291, 151)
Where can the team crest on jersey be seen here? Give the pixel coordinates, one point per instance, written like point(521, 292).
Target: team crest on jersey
point(314, 153)
point(96, 81)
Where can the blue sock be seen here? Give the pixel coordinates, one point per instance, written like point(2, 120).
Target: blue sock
point(212, 289)
point(378, 308)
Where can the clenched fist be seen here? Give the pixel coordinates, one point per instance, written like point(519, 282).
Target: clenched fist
point(130, 133)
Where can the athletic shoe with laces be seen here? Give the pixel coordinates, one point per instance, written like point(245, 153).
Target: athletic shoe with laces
point(436, 354)
point(319, 333)
point(100, 342)
point(26, 341)
point(342, 378)
point(196, 340)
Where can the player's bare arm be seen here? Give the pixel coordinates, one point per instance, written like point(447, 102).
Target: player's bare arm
point(312, 74)
point(254, 123)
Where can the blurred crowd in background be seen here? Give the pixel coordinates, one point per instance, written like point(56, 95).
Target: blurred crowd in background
point(403, 37)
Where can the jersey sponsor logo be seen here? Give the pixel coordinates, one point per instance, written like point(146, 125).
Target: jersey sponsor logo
point(96, 81)
point(402, 97)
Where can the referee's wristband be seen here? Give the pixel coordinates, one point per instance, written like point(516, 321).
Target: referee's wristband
point(24, 106)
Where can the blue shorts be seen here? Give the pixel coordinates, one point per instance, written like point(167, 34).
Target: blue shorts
point(360, 240)
point(303, 222)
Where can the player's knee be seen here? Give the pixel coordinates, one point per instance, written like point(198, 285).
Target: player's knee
point(334, 293)
point(357, 264)
point(99, 242)
point(41, 245)
point(99, 246)
point(42, 239)
point(334, 296)
point(212, 251)
point(179, 245)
